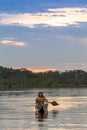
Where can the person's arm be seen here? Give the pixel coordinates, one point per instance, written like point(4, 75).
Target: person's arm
point(45, 99)
point(36, 101)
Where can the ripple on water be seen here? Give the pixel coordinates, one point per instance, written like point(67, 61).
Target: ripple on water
point(17, 111)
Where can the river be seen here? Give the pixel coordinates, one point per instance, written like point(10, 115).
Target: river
point(17, 111)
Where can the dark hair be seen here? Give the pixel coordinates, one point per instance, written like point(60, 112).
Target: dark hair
point(40, 93)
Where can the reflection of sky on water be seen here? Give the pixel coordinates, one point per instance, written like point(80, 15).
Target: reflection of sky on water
point(17, 113)
point(66, 103)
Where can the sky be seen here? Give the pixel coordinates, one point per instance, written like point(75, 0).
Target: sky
point(43, 34)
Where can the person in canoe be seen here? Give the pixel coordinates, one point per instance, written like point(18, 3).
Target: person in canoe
point(41, 103)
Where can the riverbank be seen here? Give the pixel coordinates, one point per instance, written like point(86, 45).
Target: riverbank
point(22, 79)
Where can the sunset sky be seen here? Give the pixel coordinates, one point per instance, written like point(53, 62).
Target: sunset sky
point(43, 34)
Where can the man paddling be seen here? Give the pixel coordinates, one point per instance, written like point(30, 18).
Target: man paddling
point(41, 102)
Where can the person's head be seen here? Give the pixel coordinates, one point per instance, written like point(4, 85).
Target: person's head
point(40, 94)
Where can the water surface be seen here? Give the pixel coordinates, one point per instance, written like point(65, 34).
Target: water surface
point(17, 110)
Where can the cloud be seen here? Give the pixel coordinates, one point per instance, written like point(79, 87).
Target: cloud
point(12, 42)
point(72, 66)
point(41, 70)
point(53, 17)
point(73, 40)
point(67, 66)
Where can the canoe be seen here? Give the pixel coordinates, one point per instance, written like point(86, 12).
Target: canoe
point(41, 108)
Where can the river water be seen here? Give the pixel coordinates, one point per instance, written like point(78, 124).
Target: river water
point(17, 110)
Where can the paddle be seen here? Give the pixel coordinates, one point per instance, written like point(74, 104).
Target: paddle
point(54, 103)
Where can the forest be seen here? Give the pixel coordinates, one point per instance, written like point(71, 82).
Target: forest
point(23, 79)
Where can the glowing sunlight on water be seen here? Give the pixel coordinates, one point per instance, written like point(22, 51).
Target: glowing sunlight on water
point(17, 111)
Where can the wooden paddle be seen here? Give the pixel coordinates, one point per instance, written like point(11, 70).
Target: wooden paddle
point(54, 103)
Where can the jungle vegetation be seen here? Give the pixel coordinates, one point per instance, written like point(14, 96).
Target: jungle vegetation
point(21, 79)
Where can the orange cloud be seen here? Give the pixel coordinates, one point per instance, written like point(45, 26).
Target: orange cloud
point(41, 70)
point(60, 67)
point(36, 70)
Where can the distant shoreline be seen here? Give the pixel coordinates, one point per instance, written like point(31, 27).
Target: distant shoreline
point(22, 79)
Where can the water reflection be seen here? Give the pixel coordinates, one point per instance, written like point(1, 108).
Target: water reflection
point(54, 113)
point(17, 112)
point(41, 117)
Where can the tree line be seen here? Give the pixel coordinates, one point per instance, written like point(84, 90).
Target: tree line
point(19, 79)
